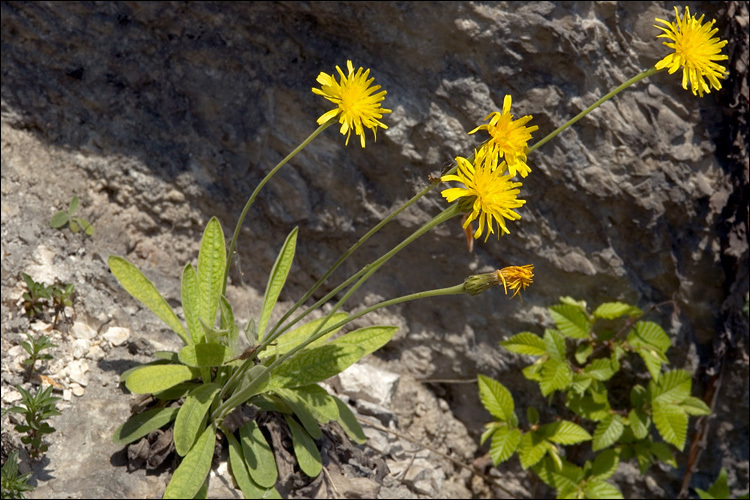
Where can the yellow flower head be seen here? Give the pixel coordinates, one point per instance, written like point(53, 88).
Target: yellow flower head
point(516, 278)
point(695, 50)
point(508, 139)
point(357, 105)
point(494, 194)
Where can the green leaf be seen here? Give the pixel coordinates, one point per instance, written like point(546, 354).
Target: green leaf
point(652, 334)
point(191, 302)
point(141, 288)
point(533, 372)
point(308, 456)
point(211, 263)
point(525, 343)
point(315, 365)
point(317, 400)
point(663, 453)
point(671, 421)
point(532, 448)
point(59, 220)
point(600, 369)
point(85, 225)
point(695, 406)
point(293, 338)
point(583, 352)
point(228, 324)
point(612, 310)
point(276, 280)
point(556, 375)
point(504, 444)
point(605, 464)
point(673, 387)
point(249, 488)
point(653, 359)
point(176, 392)
point(601, 489)
point(554, 342)
point(259, 457)
point(349, 422)
point(581, 382)
point(191, 473)
point(589, 405)
point(369, 339)
point(140, 425)
point(203, 355)
point(565, 432)
point(532, 415)
point(571, 321)
point(639, 423)
point(190, 419)
point(638, 396)
point(73, 205)
point(495, 398)
point(303, 413)
point(607, 432)
point(156, 378)
point(720, 489)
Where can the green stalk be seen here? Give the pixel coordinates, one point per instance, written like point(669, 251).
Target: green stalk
point(635, 79)
point(250, 201)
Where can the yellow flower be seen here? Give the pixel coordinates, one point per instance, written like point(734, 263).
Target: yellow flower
point(508, 139)
point(695, 50)
point(357, 105)
point(494, 194)
point(516, 278)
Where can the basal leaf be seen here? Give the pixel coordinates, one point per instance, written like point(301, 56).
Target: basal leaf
point(276, 280)
point(504, 444)
point(295, 337)
point(192, 472)
point(495, 398)
point(191, 302)
point(308, 456)
point(671, 421)
point(212, 259)
point(303, 413)
point(203, 355)
point(190, 419)
point(249, 488)
point(349, 422)
point(140, 425)
point(315, 365)
point(369, 339)
point(141, 288)
point(259, 456)
point(607, 432)
point(321, 404)
point(156, 378)
point(571, 321)
point(525, 343)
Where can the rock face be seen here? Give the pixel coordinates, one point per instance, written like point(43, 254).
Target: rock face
point(161, 115)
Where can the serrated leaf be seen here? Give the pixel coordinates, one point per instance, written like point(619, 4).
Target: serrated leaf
point(565, 432)
point(191, 302)
point(308, 456)
point(601, 489)
point(571, 321)
point(293, 338)
point(639, 423)
point(140, 425)
point(695, 406)
point(653, 334)
point(653, 359)
point(141, 288)
point(532, 415)
point(532, 448)
point(587, 406)
point(192, 472)
point(533, 372)
point(156, 378)
point(276, 280)
point(607, 432)
point(190, 418)
point(720, 488)
point(612, 310)
point(662, 452)
point(259, 456)
point(495, 398)
point(671, 421)
point(349, 423)
point(583, 352)
point(600, 369)
point(525, 343)
point(59, 220)
point(673, 387)
point(203, 355)
point(605, 464)
point(638, 396)
point(556, 376)
point(554, 343)
point(504, 444)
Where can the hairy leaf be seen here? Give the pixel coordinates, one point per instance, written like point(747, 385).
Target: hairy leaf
point(191, 302)
point(276, 280)
point(190, 419)
point(156, 378)
point(349, 423)
point(212, 259)
point(191, 473)
point(203, 355)
point(140, 425)
point(308, 456)
point(259, 456)
point(293, 338)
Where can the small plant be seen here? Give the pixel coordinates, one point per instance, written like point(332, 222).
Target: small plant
point(35, 300)
point(36, 409)
point(61, 298)
point(66, 217)
point(578, 359)
point(35, 347)
point(13, 484)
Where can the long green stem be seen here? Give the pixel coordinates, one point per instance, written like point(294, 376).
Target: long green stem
point(262, 183)
point(588, 110)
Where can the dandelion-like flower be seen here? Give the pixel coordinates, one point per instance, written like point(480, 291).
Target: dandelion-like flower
point(516, 278)
point(357, 104)
point(495, 194)
point(508, 139)
point(695, 50)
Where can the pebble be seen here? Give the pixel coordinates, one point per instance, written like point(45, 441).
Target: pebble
point(81, 348)
point(81, 330)
point(77, 390)
point(117, 335)
point(96, 353)
point(67, 395)
point(77, 372)
point(11, 396)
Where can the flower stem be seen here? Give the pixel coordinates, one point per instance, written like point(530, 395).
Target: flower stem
point(250, 200)
point(635, 79)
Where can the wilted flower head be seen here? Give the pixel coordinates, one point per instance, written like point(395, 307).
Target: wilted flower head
point(508, 139)
point(695, 50)
point(495, 194)
point(357, 106)
point(516, 278)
